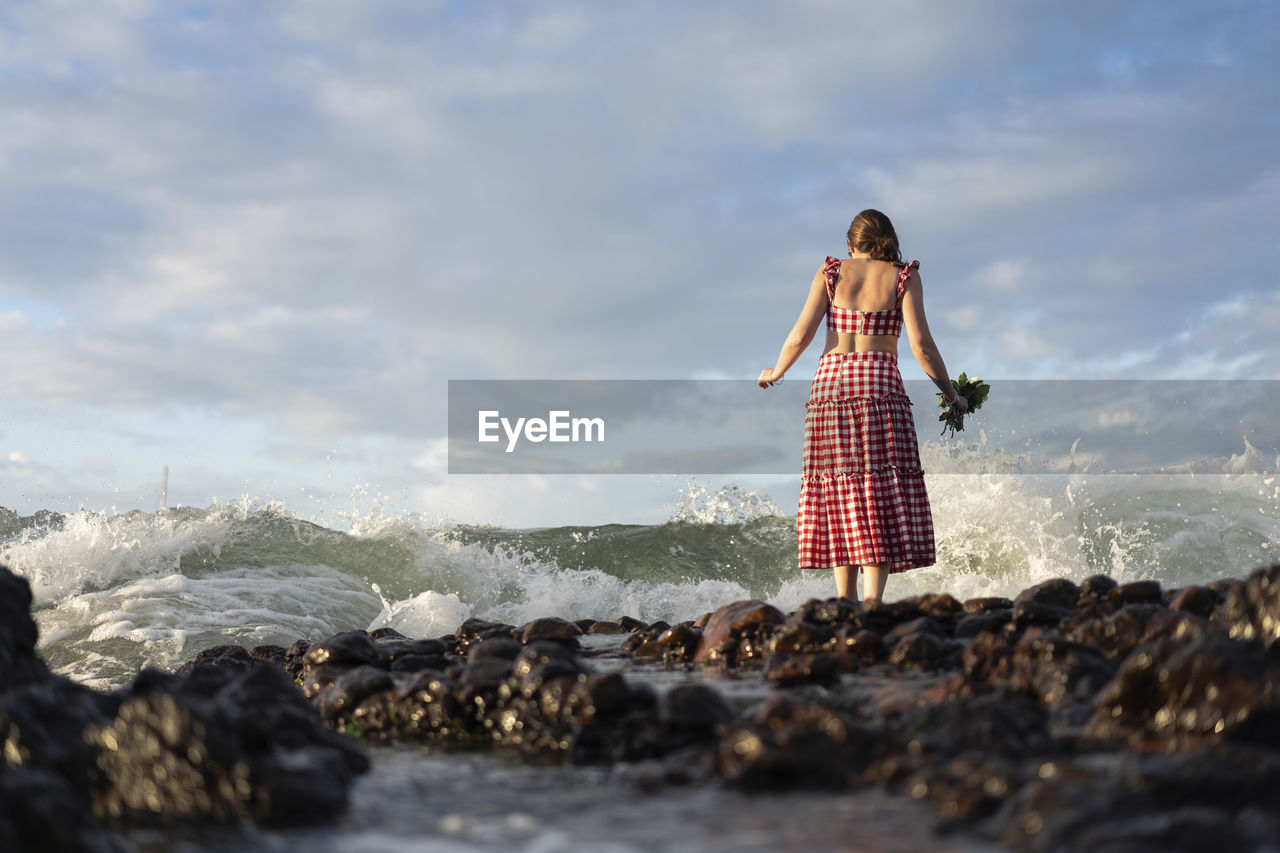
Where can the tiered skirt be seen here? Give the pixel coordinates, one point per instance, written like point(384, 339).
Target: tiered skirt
point(862, 494)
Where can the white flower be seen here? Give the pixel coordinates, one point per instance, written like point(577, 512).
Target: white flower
point(975, 380)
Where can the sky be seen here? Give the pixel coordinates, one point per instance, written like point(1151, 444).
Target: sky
point(253, 242)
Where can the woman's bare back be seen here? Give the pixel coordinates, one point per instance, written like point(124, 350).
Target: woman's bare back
point(864, 285)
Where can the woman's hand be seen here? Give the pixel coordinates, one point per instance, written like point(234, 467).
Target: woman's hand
point(961, 403)
point(766, 379)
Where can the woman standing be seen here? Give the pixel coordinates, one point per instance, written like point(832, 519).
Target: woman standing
point(862, 495)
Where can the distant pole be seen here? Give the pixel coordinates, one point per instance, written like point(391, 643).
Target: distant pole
point(164, 489)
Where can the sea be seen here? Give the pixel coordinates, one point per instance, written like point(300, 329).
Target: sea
point(115, 592)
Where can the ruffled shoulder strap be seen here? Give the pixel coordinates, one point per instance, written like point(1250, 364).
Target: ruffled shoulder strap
point(832, 271)
point(904, 275)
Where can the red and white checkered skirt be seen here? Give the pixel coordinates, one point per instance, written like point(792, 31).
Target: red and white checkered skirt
point(862, 495)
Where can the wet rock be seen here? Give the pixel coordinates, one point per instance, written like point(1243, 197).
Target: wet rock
point(785, 745)
point(882, 618)
point(967, 788)
point(348, 649)
point(941, 606)
point(676, 644)
point(924, 624)
point(220, 745)
point(489, 672)
point(726, 626)
point(506, 648)
point(1027, 613)
point(1177, 693)
point(1058, 593)
point(1097, 586)
point(988, 658)
point(1207, 800)
point(551, 629)
point(1116, 635)
point(584, 625)
point(806, 669)
point(474, 630)
point(1251, 610)
point(19, 664)
point(1199, 600)
point(1177, 625)
point(419, 663)
point(975, 623)
point(1139, 592)
point(695, 708)
point(394, 649)
point(1057, 670)
point(830, 612)
point(919, 649)
point(866, 645)
point(799, 637)
point(630, 623)
point(983, 605)
point(277, 655)
point(599, 697)
point(348, 689)
point(386, 633)
point(40, 810)
point(233, 657)
point(606, 628)
point(319, 678)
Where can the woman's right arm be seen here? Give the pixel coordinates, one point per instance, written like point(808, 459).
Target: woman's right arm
point(922, 345)
point(801, 335)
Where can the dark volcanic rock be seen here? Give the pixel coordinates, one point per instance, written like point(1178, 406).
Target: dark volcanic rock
point(474, 630)
point(807, 669)
point(918, 649)
point(727, 626)
point(1139, 592)
point(695, 707)
point(630, 623)
point(350, 648)
point(831, 611)
point(1199, 600)
point(1178, 693)
point(220, 744)
point(676, 644)
point(982, 605)
point(1251, 611)
point(799, 637)
point(1057, 593)
point(508, 648)
point(551, 628)
point(785, 745)
point(882, 618)
point(229, 737)
point(19, 665)
point(976, 622)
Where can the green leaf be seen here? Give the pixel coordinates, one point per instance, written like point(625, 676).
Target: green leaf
point(962, 381)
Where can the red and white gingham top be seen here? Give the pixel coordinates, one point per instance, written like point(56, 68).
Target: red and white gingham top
point(886, 322)
point(862, 492)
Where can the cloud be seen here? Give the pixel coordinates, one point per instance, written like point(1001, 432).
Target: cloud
point(314, 214)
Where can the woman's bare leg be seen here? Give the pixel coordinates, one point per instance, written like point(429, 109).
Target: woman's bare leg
point(847, 581)
point(874, 576)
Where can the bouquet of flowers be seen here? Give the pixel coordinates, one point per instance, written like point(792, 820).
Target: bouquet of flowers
point(974, 392)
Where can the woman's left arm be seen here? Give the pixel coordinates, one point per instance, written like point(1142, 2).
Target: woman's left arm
point(801, 334)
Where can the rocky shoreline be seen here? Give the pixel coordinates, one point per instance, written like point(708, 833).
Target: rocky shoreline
point(1097, 716)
